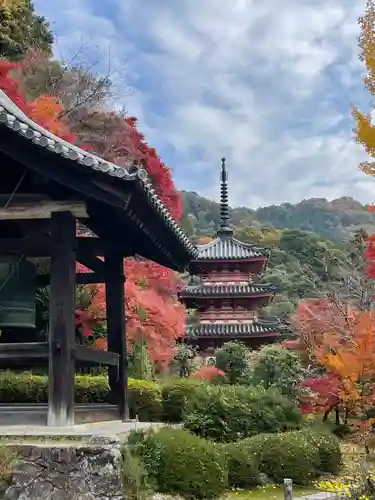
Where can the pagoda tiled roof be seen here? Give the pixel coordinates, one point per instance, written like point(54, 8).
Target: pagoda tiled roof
point(230, 330)
point(229, 248)
point(205, 290)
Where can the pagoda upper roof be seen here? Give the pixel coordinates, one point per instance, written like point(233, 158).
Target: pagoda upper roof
point(227, 247)
point(231, 330)
point(205, 289)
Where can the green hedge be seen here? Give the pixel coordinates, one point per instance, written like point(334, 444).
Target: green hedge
point(328, 446)
point(298, 455)
point(228, 413)
point(180, 463)
point(243, 467)
point(179, 397)
point(144, 397)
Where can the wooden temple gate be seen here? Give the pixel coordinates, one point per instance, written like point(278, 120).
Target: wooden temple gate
point(46, 186)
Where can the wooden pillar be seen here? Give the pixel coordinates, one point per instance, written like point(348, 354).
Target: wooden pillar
point(62, 320)
point(116, 329)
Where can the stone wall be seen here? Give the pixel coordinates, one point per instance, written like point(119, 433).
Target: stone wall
point(69, 471)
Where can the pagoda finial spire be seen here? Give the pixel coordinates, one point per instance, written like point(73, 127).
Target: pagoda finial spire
point(224, 207)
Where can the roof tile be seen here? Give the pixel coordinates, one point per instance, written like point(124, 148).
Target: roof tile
point(229, 248)
point(232, 330)
point(225, 289)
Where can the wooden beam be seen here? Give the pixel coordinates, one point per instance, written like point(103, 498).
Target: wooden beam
point(116, 330)
point(42, 209)
point(40, 246)
point(24, 350)
point(62, 320)
point(97, 356)
point(90, 260)
point(43, 280)
point(32, 247)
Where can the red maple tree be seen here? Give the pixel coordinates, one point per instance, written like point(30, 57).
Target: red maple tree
point(323, 394)
point(153, 312)
point(209, 373)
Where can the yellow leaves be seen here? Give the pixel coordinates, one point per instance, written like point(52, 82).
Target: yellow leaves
point(364, 130)
point(366, 42)
point(9, 8)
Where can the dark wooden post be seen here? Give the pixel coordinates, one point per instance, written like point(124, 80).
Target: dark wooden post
point(62, 320)
point(116, 329)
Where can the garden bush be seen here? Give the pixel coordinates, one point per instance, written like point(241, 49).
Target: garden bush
point(230, 413)
point(328, 447)
point(285, 455)
point(180, 463)
point(26, 387)
point(243, 467)
point(179, 396)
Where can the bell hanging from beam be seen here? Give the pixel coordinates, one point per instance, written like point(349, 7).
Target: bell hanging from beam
point(17, 293)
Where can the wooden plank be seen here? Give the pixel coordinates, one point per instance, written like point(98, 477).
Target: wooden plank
point(40, 246)
point(43, 209)
point(116, 330)
point(97, 356)
point(62, 320)
point(24, 350)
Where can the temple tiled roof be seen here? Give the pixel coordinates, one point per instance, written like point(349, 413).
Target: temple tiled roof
point(229, 248)
point(231, 330)
point(13, 118)
point(204, 290)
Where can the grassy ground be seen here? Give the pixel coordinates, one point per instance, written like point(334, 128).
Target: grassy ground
point(269, 493)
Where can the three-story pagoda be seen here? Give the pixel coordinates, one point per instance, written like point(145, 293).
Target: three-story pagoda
point(228, 296)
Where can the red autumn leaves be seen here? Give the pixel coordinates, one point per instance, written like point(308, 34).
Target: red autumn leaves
point(153, 312)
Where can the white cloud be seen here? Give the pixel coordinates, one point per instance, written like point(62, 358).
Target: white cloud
point(267, 83)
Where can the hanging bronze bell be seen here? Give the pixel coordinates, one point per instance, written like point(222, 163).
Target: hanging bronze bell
point(17, 293)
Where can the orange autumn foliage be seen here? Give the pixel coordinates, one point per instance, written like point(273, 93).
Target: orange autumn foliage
point(45, 111)
point(351, 359)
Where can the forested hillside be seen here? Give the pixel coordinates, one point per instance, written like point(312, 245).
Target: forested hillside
point(314, 243)
point(336, 220)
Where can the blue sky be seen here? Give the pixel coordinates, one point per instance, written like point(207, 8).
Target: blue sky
point(266, 83)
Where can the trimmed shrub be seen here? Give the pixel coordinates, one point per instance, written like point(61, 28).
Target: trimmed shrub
point(230, 413)
point(328, 447)
point(23, 387)
point(180, 463)
point(145, 400)
point(284, 455)
point(26, 387)
point(179, 397)
point(243, 467)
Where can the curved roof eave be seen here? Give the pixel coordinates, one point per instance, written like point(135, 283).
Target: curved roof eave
point(13, 118)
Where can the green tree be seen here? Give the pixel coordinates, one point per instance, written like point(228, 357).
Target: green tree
point(140, 365)
point(280, 368)
point(183, 360)
point(21, 29)
point(233, 359)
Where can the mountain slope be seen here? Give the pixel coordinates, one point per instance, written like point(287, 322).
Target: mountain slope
point(335, 220)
